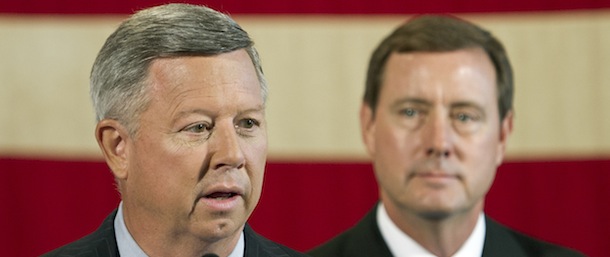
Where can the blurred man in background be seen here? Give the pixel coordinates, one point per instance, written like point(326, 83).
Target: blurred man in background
point(436, 116)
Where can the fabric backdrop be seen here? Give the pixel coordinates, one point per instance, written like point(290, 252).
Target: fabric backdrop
point(55, 187)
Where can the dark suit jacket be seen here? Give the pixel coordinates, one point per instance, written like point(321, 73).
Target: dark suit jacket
point(102, 243)
point(365, 240)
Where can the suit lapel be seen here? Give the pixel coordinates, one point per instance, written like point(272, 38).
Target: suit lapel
point(499, 242)
point(257, 246)
point(104, 239)
point(367, 239)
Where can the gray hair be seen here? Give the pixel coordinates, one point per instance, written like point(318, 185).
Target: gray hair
point(119, 87)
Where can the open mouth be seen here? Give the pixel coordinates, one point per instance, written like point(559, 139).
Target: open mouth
point(220, 200)
point(220, 195)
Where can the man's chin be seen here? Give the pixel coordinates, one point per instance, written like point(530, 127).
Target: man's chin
point(441, 212)
point(436, 215)
point(219, 233)
point(218, 228)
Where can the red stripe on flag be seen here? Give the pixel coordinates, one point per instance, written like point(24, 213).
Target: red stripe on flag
point(304, 7)
point(48, 203)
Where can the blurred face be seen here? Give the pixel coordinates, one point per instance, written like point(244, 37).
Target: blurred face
point(195, 167)
point(436, 139)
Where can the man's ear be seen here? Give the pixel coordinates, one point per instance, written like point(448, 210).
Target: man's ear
point(112, 137)
point(506, 128)
point(367, 128)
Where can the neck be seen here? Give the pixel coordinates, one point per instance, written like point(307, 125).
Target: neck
point(443, 236)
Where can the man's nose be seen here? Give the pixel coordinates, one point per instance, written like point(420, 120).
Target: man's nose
point(437, 136)
point(225, 148)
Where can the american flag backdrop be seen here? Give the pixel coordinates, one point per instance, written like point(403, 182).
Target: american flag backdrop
point(55, 188)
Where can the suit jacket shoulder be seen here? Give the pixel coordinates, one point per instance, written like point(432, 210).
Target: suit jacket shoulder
point(365, 239)
point(100, 243)
point(259, 246)
point(362, 240)
point(501, 241)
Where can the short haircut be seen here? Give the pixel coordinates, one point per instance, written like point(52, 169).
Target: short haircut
point(440, 33)
point(119, 87)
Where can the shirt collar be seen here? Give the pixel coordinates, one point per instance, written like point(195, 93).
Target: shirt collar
point(127, 246)
point(401, 244)
point(240, 248)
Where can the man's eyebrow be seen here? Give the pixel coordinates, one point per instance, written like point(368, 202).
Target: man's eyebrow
point(204, 112)
point(410, 100)
point(467, 104)
point(259, 108)
point(187, 112)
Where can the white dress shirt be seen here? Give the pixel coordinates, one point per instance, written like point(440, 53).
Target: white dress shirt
point(401, 244)
point(129, 248)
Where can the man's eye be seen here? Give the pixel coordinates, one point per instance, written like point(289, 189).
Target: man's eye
point(409, 112)
point(463, 117)
point(467, 122)
point(199, 128)
point(247, 123)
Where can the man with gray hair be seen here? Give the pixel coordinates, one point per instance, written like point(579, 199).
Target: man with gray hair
point(179, 95)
